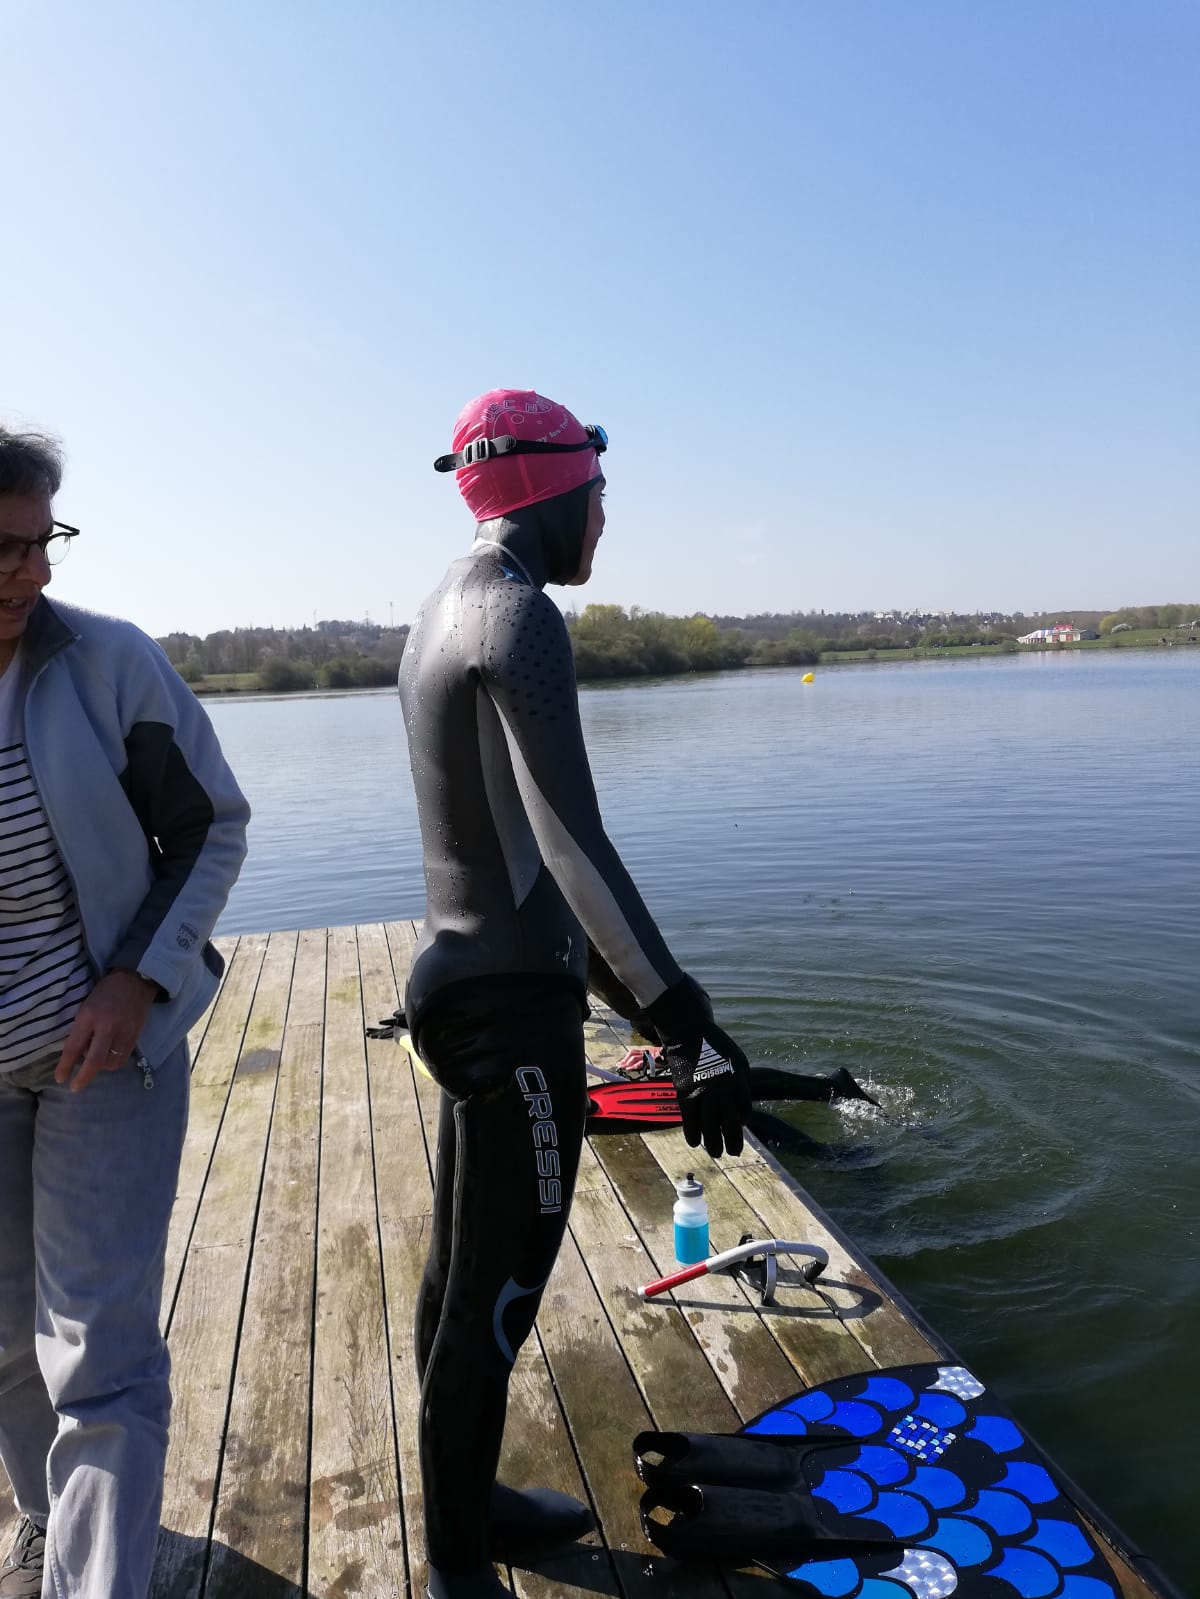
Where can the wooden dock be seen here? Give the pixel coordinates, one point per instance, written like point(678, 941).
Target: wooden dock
point(296, 1248)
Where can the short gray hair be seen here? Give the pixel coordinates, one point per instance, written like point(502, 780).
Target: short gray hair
point(30, 463)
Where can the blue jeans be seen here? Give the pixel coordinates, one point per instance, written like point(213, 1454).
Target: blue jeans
point(87, 1182)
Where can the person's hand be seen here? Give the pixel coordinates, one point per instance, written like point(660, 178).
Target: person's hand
point(109, 1024)
point(710, 1073)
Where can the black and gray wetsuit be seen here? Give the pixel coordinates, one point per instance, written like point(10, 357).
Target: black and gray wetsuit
point(519, 874)
point(518, 867)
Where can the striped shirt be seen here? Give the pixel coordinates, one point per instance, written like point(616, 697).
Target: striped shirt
point(44, 970)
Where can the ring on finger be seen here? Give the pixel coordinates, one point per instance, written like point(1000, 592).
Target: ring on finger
point(116, 1052)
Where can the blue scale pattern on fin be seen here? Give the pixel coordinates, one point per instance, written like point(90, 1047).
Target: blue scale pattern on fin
point(1004, 1513)
point(1032, 1482)
point(813, 1407)
point(938, 1487)
point(845, 1491)
point(1062, 1541)
point(902, 1514)
point(1076, 1587)
point(997, 1433)
point(882, 1465)
point(942, 1409)
point(889, 1393)
point(779, 1423)
point(792, 1419)
point(858, 1420)
point(836, 1578)
point(1031, 1574)
point(962, 1541)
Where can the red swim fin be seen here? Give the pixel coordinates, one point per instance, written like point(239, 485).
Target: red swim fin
point(613, 1106)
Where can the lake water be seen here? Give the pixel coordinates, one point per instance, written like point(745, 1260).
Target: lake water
point(975, 884)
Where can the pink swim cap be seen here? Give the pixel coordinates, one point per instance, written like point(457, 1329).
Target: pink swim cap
point(492, 488)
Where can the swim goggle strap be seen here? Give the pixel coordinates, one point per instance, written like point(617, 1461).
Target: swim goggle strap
point(488, 449)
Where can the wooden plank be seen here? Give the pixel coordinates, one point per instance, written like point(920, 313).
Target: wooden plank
point(355, 1542)
point(538, 1453)
point(204, 1326)
point(677, 1382)
point(605, 1411)
point(721, 1314)
point(403, 1194)
point(403, 1183)
point(212, 1074)
point(803, 1320)
point(226, 948)
point(405, 1243)
point(258, 1545)
point(402, 939)
point(887, 1336)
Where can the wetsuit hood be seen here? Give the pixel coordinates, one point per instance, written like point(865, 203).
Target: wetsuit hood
point(546, 538)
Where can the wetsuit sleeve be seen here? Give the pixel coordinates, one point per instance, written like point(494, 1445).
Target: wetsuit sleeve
point(190, 808)
point(528, 672)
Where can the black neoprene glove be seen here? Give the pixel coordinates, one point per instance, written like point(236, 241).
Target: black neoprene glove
point(710, 1073)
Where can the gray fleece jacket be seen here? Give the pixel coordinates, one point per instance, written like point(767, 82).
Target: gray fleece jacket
point(147, 816)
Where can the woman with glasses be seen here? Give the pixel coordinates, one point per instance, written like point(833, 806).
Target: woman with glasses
point(520, 876)
point(121, 833)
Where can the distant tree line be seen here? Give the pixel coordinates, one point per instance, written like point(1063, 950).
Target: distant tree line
point(1159, 618)
point(612, 641)
point(331, 654)
point(839, 632)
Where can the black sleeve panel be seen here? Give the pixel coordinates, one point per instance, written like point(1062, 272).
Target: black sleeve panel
point(528, 671)
point(175, 813)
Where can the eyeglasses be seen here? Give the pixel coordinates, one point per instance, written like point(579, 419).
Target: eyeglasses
point(53, 544)
point(487, 449)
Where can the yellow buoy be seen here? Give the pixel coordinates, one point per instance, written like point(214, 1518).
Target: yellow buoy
point(807, 678)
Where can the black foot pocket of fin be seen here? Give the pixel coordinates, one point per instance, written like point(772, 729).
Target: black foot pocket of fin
point(730, 1460)
point(744, 1525)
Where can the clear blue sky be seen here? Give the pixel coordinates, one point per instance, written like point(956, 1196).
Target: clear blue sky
point(882, 304)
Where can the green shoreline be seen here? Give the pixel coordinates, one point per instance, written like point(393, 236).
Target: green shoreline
point(227, 685)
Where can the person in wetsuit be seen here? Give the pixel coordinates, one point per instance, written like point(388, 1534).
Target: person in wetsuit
point(520, 875)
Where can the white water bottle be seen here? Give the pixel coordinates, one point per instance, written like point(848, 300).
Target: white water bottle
point(691, 1222)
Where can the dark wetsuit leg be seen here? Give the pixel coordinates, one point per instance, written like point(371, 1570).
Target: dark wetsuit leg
point(514, 1075)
